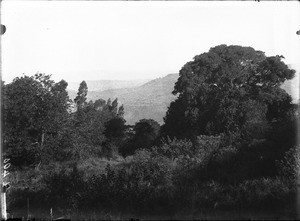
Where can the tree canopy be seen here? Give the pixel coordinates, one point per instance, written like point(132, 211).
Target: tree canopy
point(227, 89)
point(33, 107)
point(145, 134)
point(81, 95)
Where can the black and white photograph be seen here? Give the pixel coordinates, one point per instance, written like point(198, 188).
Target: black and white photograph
point(150, 110)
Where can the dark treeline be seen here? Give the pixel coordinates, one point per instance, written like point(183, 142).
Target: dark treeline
point(228, 141)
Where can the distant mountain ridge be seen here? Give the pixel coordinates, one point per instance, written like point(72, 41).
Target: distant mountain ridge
point(101, 85)
point(292, 86)
point(149, 100)
point(152, 99)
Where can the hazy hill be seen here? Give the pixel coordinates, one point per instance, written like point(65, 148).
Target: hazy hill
point(292, 86)
point(149, 100)
point(101, 85)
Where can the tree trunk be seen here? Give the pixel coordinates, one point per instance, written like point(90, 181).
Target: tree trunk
point(43, 138)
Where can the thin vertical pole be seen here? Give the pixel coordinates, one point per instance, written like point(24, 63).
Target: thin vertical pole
point(27, 208)
point(2, 194)
point(51, 214)
point(3, 205)
point(298, 172)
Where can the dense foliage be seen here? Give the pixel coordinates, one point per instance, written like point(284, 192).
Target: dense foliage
point(144, 135)
point(230, 89)
point(229, 141)
point(35, 109)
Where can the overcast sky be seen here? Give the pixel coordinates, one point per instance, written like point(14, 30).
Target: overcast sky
point(89, 40)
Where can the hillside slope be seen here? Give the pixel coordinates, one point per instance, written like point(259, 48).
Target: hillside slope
point(292, 88)
point(150, 100)
point(101, 85)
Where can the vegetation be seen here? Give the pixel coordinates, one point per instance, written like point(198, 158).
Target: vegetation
point(139, 100)
point(228, 141)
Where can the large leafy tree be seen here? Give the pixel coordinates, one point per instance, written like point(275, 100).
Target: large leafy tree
point(34, 107)
point(146, 133)
point(230, 89)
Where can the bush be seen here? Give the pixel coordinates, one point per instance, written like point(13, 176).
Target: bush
point(65, 189)
point(174, 148)
point(262, 192)
point(289, 166)
point(145, 134)
point(141, 182)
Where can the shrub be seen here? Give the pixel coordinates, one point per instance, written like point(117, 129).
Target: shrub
point(289, 166)
point(141, 182)
point(174, 148)
point(263, 191)
point(65, 189)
